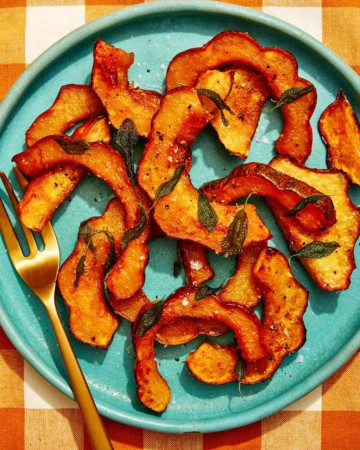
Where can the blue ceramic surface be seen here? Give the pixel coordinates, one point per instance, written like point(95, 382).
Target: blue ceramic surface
point(155, 33)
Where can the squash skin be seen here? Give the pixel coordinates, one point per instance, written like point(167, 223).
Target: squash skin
point(279, 68)
point(262, 179)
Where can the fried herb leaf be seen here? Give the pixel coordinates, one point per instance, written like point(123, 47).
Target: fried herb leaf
point(204, 290)
point(150, 317)
point(168, 186)
point(77, 147)
point(112, 256)
point(237, 231)
point(80, 268)
point(135, 232)
point(206, 213)
point(293, 94)
point(316, 249)
point(177, 263)
point(218, 102)
point(240, 369)
point(302, 203)
point(124, 140)
point(86, 233)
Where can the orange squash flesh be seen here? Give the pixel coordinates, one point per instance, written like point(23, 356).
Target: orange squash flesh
point(177, 216)
point(246, 99)
point(278, 67)
point(128, 308)
point(74, 103)
point(213, 363)
point(340, 130)
point(91, 320)
point(242, 289)
point(185, 329)
point(285, 302)
point(46, 192)
point(332, 272)
point(153, 390)
point(121, 99)
point(261, 179)
point(195, 263)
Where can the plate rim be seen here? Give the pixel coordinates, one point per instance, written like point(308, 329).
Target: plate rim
point(107, 22)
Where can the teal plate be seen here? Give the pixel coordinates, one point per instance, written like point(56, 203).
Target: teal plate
point(155, 33)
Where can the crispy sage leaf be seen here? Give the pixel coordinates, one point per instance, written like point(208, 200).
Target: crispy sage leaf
point(293, 94)
point(302, 203)
point(124, 140)
point(218, 101)
point(168, 186)
point(112, 256)
point(80, 268)
point(135, 232)
point(206, 213)
point(204, 290)
point(86, 233)
point(177, 263)
point(150, 317)
point(77, 147)
point(240, 369)
point(316, 249)
point(237, 231)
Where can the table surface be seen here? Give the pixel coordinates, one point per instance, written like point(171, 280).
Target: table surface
point(35, 415)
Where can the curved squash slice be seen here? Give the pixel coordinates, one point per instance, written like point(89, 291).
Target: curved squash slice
point(174, 128)
point(248, 95)
point(278, 67)
point(121, 100)
point(46, 192)
point(340, 130)
point(331, 272)
point(91, 320)
point(242, 288)
point(153, 390)
point(261, 179)
point(285, 302)
point(74, 103)
point(196, 265)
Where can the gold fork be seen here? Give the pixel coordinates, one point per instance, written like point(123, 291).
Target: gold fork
point(39, 271)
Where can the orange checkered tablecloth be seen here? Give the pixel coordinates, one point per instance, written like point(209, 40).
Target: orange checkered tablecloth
point(35, 415)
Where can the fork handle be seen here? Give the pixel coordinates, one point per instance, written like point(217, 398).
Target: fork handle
point(93, 423)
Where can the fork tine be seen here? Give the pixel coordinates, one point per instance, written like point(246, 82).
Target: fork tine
point(27, 233)
point(8, 233)
point(47, 234)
